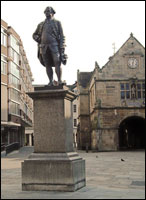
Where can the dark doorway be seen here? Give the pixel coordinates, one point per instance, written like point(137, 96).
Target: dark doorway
point(132, 133)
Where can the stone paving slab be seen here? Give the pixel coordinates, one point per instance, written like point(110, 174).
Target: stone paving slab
point(107, 177)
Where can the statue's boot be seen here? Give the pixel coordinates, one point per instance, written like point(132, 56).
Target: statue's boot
point(60, 83)
point(50, 84)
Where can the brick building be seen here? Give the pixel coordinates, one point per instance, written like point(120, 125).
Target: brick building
point(112, 101)
point(16, 80)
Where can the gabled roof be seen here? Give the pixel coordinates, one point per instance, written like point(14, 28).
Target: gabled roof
point(131, 36)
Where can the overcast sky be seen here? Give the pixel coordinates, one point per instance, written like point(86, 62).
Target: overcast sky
point(90, 28)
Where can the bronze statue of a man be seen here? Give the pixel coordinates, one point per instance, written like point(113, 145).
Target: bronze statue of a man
point(51, 45)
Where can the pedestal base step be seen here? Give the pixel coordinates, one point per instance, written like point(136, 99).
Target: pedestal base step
point(53, 172)
point(53, 187)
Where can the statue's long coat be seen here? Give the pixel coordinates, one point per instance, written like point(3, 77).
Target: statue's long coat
point(57, 33)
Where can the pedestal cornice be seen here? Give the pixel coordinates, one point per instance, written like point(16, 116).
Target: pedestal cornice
point(51, 93)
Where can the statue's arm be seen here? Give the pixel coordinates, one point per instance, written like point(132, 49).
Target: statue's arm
point(37, 34)
point(62, 44)
point(61, 37)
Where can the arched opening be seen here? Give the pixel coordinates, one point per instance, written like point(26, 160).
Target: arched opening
point(132, 133)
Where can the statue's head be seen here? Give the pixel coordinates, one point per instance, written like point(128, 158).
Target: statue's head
point(49, 11)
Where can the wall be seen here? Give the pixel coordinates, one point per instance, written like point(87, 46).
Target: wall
point(105, 135)
point(4, 109)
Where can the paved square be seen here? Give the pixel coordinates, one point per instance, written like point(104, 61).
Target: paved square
point(107, 177)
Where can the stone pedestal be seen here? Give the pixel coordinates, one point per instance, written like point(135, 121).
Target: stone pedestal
point(54, 165)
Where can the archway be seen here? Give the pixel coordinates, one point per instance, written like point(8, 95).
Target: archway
point(132, 133)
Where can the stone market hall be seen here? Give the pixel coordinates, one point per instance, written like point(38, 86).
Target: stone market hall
point(112, 101)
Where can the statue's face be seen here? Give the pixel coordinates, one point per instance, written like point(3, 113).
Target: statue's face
point(49, 13)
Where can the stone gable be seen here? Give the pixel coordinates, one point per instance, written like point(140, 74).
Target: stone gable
point(117, 67)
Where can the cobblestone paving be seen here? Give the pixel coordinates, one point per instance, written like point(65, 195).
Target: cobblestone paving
point(107, 177)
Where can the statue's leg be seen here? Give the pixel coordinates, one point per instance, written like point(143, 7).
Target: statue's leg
point(57, 63)
point(58, 71)
point(49, 71)
point(47, 58)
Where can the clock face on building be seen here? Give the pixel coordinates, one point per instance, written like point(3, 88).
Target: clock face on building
point(132, 62)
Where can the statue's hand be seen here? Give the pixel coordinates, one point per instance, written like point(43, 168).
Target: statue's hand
point(64, 59)
point(63, 56)
point(37, 38)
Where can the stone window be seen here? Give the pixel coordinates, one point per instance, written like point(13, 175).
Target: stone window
point(133, 90)
point(141, 90)
point(75, 108)
point(125, 91)
point(75, 122)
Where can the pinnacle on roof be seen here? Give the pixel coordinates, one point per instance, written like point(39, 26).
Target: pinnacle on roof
point(131, 35)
